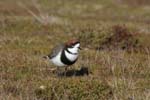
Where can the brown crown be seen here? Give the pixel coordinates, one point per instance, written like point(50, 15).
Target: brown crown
point(71, 42)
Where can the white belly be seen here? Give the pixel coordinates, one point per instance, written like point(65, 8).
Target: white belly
point(57, 60)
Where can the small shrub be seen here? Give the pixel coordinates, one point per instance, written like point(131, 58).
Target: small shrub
point(117, 37)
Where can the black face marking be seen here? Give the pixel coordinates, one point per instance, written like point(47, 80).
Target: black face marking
point(72, 45)
point(75, 43)
point(65, 60)
point(71, 52)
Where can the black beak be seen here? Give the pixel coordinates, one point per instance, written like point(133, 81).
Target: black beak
point(80, 48)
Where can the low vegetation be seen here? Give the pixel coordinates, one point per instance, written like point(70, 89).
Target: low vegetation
point(114, 35)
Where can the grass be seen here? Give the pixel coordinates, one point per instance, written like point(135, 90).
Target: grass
point(29, 30)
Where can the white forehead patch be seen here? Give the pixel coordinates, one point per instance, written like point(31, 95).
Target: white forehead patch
point(77, 45)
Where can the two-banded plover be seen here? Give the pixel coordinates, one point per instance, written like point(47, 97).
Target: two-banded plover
point(64, 55)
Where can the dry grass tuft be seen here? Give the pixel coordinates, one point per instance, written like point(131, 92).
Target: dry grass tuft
point(29, 32)
point(116, 37)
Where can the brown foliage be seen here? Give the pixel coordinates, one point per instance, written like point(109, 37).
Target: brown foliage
point(121, 38)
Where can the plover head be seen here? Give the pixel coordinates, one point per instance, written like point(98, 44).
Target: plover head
point(73, 45)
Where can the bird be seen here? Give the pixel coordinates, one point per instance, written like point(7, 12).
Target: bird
point(64, 54)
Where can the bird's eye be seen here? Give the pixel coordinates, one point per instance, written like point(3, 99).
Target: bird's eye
point(71, 46)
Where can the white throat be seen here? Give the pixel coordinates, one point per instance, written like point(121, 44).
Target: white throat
point(73, 55)
point(75, 48)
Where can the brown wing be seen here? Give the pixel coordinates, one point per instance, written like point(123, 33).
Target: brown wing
point(56, 50)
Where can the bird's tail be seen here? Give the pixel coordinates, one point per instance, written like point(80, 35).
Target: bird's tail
point(45, 57)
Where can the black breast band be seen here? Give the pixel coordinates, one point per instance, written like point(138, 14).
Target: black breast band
point(65, 60)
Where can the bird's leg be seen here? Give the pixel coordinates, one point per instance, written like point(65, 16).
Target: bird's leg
point(65, 71)
point(58, 71)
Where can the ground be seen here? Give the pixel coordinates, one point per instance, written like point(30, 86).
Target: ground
point(118, 65)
